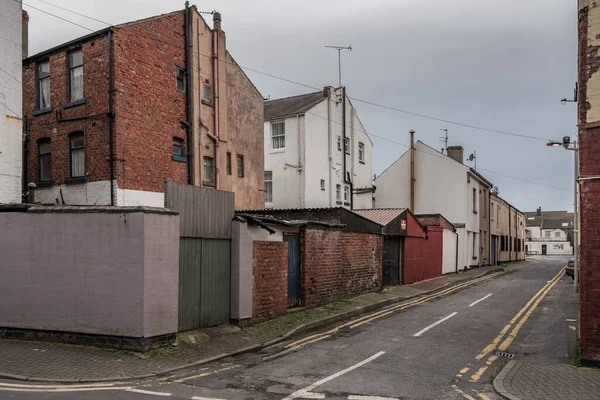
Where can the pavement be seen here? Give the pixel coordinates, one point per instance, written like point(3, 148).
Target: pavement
point(62, 363)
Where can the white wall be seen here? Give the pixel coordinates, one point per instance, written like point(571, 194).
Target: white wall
point(449, 252)
point(320, 158)
point(462, 248)
point(561, 234)
point(10, 94)
point(393, 185)
point(551, 247)
point(96, 194)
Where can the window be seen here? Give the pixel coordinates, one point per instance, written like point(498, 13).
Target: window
point(76, 75)
point(475, 200)
point(346, 194)
point(347, 145)
point(484, 203)
point(206, 95)
point(44, 85)
point(474, 246)
point(547, 234)
point(557, 234)
point(240, 166)
point(502, 245)
point(44, 163)
point(498, 217)
point(209, 170)
point(278, 135)
point(228, 163)
point(180, 79)
point(322, 184)
point(77, 155)
point(338, 193)
point(178, 154)
point(268, 186)
point(339, 143)
point(361, 152)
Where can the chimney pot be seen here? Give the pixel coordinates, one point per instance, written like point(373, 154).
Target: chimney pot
point(217, 20)
point(326, 91)
point(539, 211)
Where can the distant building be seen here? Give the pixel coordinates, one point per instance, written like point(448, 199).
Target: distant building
point(114, 114)
point(12, 48)
point(549, 232)
point(507, 227)
point(442, 185)
point(317, 153)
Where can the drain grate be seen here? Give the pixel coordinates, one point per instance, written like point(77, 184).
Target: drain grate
point(504, 354)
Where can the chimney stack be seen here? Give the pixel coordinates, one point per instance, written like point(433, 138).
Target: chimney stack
point(539, 211)
point(217, 20)
point(25, 34)
point(456, 153)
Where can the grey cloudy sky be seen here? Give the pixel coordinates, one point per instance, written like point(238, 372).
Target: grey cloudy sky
point(502, 64)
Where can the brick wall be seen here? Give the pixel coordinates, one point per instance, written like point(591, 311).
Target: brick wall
point(89, 118)
point(589, 145)
point(337, 265)
point(148, 105)
point(270, 267)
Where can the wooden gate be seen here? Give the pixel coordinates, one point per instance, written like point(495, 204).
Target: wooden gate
point(391, 260)
point(293, 242)
point(204, 253)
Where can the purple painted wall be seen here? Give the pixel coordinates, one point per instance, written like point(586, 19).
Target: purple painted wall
point(90, 272)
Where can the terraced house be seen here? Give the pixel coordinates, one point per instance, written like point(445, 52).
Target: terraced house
point(113, 115)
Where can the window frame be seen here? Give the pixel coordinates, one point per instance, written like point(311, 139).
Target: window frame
point(268, 187)
point(71, 70)
point(228, 163)
point(347, 145)
point(204, 88)
point(338, 193)
point(178, 142)
point(71, 150)
point(240, 166)
point(346, 194)
point(279, 136)
point(361, 152)
point(339, 143)
point(205, 180)
point(180, 70)
point(39, 79)
point(474, 201)
point(323, 184)
point(47, 154)
point(557, 234)
point(547, 234)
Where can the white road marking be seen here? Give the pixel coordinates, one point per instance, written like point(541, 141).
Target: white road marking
point(422, 331)
point(204, 398)
point(304, 393)
point(482, 299)
point(149, 392)
point(370, 398)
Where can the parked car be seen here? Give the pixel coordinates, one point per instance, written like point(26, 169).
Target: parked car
point(570, 269)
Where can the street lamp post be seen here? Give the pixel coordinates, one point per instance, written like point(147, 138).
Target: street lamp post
point(568, 145)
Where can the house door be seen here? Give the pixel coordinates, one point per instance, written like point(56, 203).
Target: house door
point(494, 258)
point(544, 250)
point(391, 260)
point(293, 242)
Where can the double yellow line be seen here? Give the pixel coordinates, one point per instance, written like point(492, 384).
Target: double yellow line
point(502, 345)
point(376, 315)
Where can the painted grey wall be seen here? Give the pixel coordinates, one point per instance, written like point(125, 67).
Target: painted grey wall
point(241, 271)
point(98, 273)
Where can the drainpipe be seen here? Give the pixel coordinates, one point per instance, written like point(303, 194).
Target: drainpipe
point(299, 164)
point(216, 29)
point(329, 145)
point(412, 170)
point(25, 175)
point(189, 89)
point(456, 233)
point(509, 236)
point(111, 116)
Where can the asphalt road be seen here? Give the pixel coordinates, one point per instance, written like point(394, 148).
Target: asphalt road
point(422, 352)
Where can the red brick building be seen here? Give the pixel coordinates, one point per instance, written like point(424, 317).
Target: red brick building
point(113, 115)
point(589, 180)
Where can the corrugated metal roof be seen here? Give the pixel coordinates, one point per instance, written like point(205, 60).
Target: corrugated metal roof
point(294, 105)
point(382, 216)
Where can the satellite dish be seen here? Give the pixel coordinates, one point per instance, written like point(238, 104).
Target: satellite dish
point(471, 157)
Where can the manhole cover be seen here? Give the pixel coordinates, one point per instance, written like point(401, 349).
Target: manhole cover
point(504, 354)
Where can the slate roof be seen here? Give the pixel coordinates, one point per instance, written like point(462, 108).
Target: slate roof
point(556, 223)
point(536, 221)
point(294, 105)
point(382, 216)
